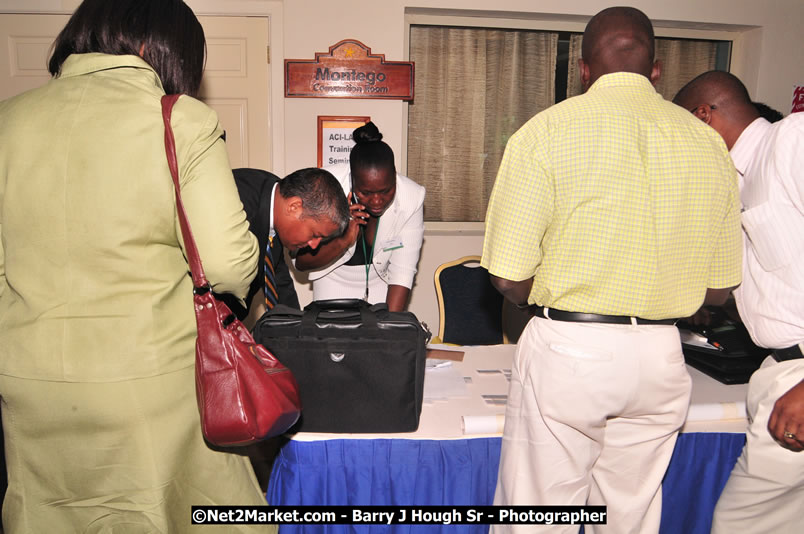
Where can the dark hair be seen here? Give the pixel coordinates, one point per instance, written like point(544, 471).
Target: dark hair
point(767, 112)
point(370, 151)
point(173, 38)
point(718, 88)
point(320, 193)
point(619, 39)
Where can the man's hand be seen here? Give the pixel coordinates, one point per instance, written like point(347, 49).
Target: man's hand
point(516, 292)
point(717, 297)
point(703, 317)
point(786, 423)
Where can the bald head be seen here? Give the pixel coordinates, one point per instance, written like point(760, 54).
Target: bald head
point(618, 39)
point(721, 100)
point(714, 87)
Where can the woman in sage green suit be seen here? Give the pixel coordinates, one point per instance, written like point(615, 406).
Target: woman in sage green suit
point(102, 432)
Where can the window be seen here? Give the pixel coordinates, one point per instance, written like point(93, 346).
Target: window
point(476, 86)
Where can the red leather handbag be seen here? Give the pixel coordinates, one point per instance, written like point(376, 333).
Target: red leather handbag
point(244, 394)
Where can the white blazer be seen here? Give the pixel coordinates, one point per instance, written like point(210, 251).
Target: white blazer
point(401, 224)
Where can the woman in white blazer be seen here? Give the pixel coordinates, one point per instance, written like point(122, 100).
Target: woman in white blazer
point(376, 257)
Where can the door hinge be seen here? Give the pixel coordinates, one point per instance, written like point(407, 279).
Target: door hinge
point(268, 54)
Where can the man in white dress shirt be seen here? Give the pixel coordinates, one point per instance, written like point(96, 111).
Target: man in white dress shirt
point(765, 491)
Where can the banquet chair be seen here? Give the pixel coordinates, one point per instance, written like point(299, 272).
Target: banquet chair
point(470, 309)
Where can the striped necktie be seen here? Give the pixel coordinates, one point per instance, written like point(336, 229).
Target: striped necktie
point(271, 296)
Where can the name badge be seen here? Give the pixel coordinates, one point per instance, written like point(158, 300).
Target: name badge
point(392, 244)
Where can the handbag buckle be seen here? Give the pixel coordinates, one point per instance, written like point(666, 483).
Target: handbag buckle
point(202, 290)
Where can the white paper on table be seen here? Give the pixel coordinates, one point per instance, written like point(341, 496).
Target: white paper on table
point(716, 411)
point(483, 424)
point(694, 339)
point(444, 383)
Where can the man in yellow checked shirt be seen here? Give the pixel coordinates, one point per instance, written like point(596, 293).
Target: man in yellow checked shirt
point(613, 214)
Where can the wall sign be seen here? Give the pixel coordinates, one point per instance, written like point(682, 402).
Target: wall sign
point(349, 70)
point(798, 99)
point(335, 138)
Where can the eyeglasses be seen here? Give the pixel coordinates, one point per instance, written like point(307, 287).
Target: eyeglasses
point(711, 106)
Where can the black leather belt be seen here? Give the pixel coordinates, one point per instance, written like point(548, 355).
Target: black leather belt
point(790, 353)
point(578, 317)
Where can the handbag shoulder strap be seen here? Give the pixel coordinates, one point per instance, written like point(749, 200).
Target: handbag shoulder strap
point(196, 270)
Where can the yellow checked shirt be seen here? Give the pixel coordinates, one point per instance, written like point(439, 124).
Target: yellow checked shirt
point(616, 202)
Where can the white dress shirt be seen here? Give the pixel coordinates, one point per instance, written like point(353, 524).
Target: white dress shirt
point(396, 251)
point(770, 160)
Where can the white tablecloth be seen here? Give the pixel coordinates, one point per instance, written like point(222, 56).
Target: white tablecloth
point(715, 407)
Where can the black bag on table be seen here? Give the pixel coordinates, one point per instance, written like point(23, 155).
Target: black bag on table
point(722, 349)
point(360, 367)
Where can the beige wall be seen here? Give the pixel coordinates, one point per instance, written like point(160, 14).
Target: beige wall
point(770, 60)
point(768, 57)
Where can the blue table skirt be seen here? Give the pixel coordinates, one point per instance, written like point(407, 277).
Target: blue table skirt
point(464, 472)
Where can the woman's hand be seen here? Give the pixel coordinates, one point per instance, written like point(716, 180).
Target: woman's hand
point(358, 217)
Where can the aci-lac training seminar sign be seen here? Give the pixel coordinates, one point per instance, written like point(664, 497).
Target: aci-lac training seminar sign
point(335, 141)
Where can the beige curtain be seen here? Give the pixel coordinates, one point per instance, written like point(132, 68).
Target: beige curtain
point(474, 88)
point(573, 72)
point(681, 61)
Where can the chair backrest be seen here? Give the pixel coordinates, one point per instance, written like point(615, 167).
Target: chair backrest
point(470, 308)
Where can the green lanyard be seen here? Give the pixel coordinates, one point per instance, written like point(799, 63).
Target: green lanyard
point(370, 255)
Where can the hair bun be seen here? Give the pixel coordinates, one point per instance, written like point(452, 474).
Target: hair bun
point(368, 133)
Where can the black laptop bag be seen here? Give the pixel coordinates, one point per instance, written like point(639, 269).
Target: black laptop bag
point(729, 355)
point(360, 367)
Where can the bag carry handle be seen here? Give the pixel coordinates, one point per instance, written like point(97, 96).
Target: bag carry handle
point(193, 259)
point(336, 307)
point(337, 304)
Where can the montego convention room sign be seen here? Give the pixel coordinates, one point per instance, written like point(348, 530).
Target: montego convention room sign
point(349, 70)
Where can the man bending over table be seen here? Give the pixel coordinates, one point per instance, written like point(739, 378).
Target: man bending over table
point(766, 488)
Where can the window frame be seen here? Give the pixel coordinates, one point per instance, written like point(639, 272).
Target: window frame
point(743, 58)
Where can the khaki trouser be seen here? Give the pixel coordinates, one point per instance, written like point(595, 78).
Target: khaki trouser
point(765, 492)
point(592, 418)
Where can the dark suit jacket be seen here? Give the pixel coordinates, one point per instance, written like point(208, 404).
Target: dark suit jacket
point(254, 186)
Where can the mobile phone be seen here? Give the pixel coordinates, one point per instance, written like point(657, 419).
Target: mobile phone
point(353, 200)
